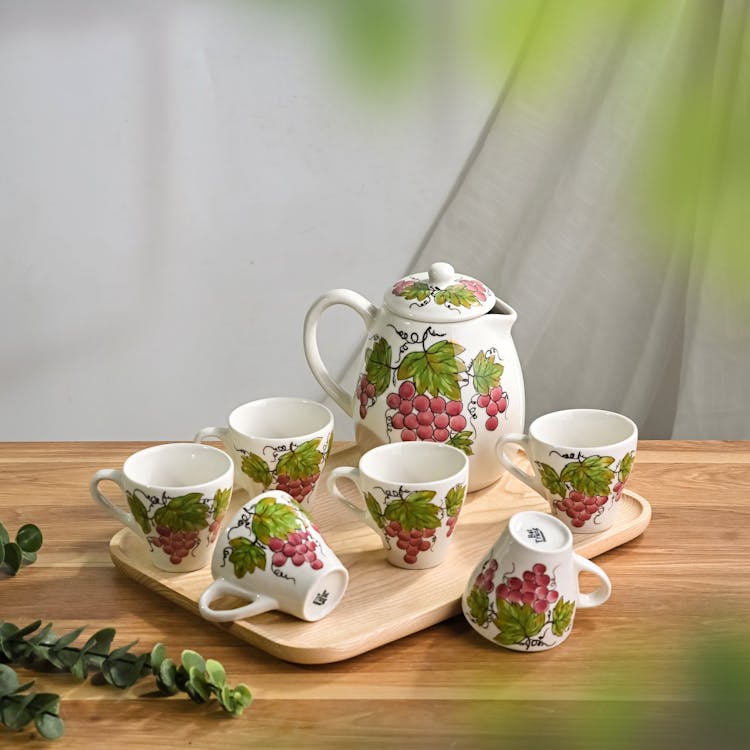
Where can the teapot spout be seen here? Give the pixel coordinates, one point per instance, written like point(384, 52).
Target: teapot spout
point(502, 314)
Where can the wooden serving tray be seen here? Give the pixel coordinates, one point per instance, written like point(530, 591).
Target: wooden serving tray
point(382, 603)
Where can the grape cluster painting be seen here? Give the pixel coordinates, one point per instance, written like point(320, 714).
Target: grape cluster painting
point(526, 608)
point(294, 469)
point(173, 524)
point(431, 392)
point(412, 520)
point(273, 534)
point(583, 487)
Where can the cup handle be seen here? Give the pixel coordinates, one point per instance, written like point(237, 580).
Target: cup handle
point(517, 438)
point(220, 433)
point(221, 587)
point(599, 595)
point(116, 476)
point(350, 472)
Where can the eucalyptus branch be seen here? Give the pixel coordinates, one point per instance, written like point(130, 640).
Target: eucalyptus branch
point(200, 679)
point(21, 551)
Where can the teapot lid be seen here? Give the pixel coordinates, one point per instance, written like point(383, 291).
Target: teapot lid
point(440, 295)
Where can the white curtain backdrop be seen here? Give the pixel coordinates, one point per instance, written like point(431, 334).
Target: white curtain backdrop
point(547, 212)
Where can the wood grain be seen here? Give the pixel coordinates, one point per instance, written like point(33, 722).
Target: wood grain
point(678, 589)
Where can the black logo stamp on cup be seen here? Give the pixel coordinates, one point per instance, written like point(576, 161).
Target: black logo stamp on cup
point(321, 597)
point(537, 535)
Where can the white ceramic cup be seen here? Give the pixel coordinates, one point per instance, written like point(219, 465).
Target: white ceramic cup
point(278, 443)
point(524, 593)
point(414, 492)
point(581, 459)
point(178, 494)
point(272, 554)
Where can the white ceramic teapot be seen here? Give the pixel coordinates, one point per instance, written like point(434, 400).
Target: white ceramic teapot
point(439, 364)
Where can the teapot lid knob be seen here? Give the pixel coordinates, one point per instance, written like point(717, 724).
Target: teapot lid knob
point(441, 274)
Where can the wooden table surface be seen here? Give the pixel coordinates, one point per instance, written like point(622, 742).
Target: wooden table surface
point(662, 662)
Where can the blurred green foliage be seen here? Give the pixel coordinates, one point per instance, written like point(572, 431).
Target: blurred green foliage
point(691, 169)
point(624, 704)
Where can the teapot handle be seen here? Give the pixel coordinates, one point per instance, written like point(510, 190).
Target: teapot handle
point(364, 308)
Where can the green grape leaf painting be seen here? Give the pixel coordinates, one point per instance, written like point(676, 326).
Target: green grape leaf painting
point(374, 507)
point(246, 556)
point(551, 480)
point(626, 465)
point(378, 365)
point(419, 291)
point(140, 514)
point(478, 603)
point(257, 469)
point(415, 511)
point(457, 295)
point(183, 513)
point(436, 371)
point(302, 462)
point(516, 623)
point(562, 616)
point(462, 440)
point(487, 372)
point(454, 499)
point(273, 519)
point(221, 501)
point(592, 476)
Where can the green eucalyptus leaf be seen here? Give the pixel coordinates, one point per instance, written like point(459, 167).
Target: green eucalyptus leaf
point(226, 699)
point(8, 680)
point(26, 686)
point(49, 725)
point(197, 687)
point(181, 677)
point(15, 712)
point(158, 654)
point(100, 642)
point(124, 671)
point(19, 633)
point(216, 672)
point(167, 677)
point(13, 557)
point(121, 653)
point(241, 698)
point(2, 553)
point(79, 668)
point(67, 639)
point(4, 535)
point(45, 702)
point(192, 660)
point(29, 557)
point(29, 538)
